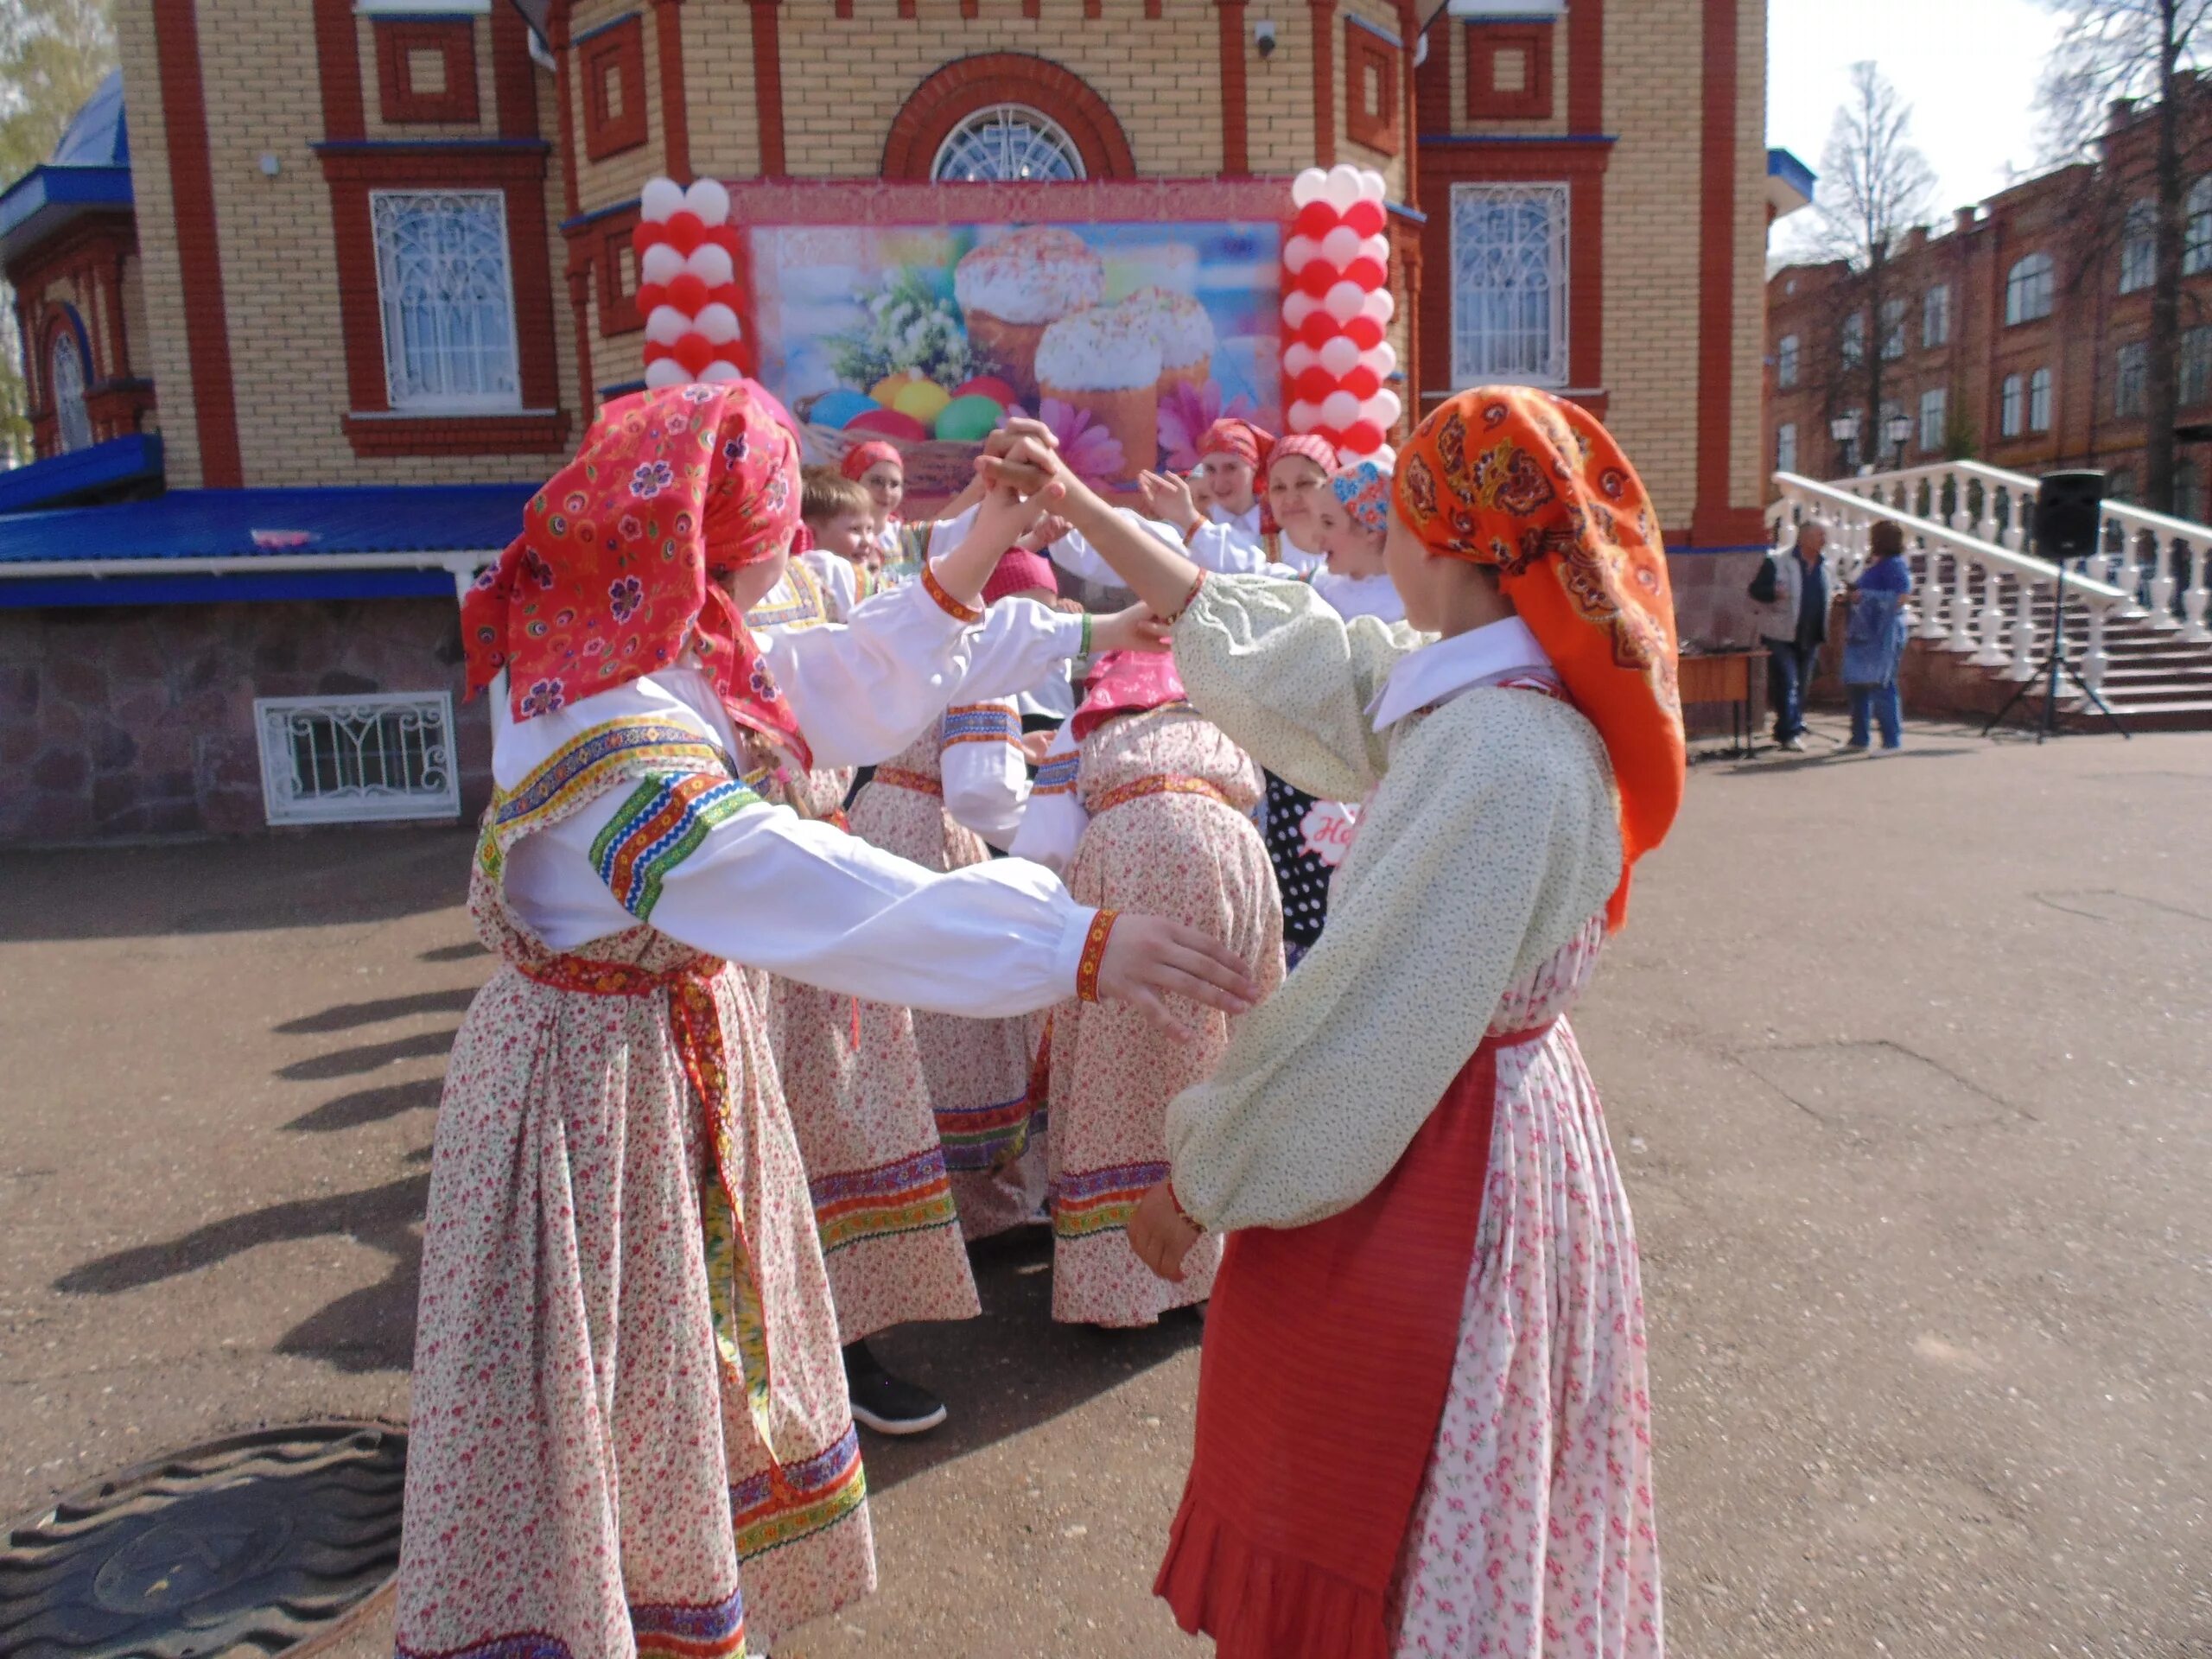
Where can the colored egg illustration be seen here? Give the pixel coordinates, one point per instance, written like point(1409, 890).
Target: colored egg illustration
point(885, 390)
point(888, 424)
point(837, 408)
point(969, 419)
point(925, 400)
point(986, 386)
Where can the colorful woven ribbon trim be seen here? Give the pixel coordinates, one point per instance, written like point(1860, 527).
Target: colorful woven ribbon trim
point(1094, 954)
point(900, 777)
point(945, 602)
point(1161, 783)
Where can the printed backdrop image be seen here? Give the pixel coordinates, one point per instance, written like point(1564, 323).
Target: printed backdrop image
point(1128, 340)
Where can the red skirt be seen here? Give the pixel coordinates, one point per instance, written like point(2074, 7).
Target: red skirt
point(1328, 1359)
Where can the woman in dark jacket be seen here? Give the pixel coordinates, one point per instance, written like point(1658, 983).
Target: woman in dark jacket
point(1874, 638)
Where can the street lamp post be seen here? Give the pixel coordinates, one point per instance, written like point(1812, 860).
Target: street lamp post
point(1844, 430)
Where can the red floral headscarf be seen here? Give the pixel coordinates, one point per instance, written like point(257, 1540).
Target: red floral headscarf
point(1247, 443)
point(1536, 488)
point(610, 580)
point(1307, 446)
point(862, 456)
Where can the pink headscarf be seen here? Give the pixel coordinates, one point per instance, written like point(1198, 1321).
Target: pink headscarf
point(862, 456)
point(1126, 682)
point(1018, 571)
point(1247, 443)
point(1307, 446)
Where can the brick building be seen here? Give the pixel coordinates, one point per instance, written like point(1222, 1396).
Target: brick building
point(357, 251)
point(2017, 334)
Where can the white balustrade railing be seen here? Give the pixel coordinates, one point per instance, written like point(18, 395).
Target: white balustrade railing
point(2162, 565)
point(1974, 588)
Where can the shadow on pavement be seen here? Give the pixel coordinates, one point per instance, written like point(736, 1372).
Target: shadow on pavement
point(369, 1106)
point(349, 1016)
point(1012, 1368)
point(455, 952)
point(367, 1330)
point(368, 1057)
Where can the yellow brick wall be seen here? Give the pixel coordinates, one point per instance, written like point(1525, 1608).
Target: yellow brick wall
point(134, 318)
point(1392, 168)
point(1278, 92)
point(372, 100)
point(619, 178)
point(162, 298)
point(718, 103)
point(1451, 33)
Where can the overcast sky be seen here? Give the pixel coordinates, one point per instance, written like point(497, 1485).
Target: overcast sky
point(1968, 68)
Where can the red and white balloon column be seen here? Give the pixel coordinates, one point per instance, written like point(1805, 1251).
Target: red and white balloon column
point(687, 284)
point(1336, 308)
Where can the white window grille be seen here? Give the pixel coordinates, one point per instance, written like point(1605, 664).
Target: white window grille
point(1936, 317)
point(2131, 380)
point(448, 300)
point(1786, 358)
point(356, 759)
point(2139, 248)
point(2012, 406)
point(2039, 401)
point(1893, 330)
point(66, 374)
point(2196, 234)
point(2030, 287)
point(1932, 405)
point(1785, 446)
point(1008, 141)
point(1508, 283)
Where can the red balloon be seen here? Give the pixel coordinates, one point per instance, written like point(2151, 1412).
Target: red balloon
point(1318, 278)
point(1363, 382)
point(686, 230)
point(649, 233)
point(695, 352)
point(687, 295)
point(1316, 219)
point(1362, 438)
point(727, 295)
point(1320, 329)
point(656, 353)
point(725, 237)
point(1364, 332)
point(651, 298)
point(732, 353)
point(1330, 435)
point(1368, 273)
point(1366, 217)
point(1316, 384)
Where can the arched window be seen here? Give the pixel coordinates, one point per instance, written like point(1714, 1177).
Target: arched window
point(2196, 235)
point(1006, 142)
point(2139, 248)
point(66, 369)
point(2029, 289)
point(448, 298)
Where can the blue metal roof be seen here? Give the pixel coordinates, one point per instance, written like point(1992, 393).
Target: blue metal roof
point(81, 474)
point(1785, 168)
point(429, 519)
point(98, 135)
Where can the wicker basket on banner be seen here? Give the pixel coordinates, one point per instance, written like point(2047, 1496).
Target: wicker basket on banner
point(935, 467)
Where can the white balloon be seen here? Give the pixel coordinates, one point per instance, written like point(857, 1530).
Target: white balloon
point(1339, 356)
point(1297, 306)
point(1383, 408)
point(1304, 417)
point(1373, 185)
point(1340, 246)
point(661, 201)
point(1377, 248)
point(719, 324)
point(1298, 357)
point(709, 201)
point(1344, 300)
point(1343, 188)
point(662, 265)
point(667, 372)
point(1386, 458)
point(1383, 359)
point(666, 326)
point(1300, 252)
point(1340, 410)
point(718, 372)
point(711, 266)
point(1306, 189)
point(1378, 305)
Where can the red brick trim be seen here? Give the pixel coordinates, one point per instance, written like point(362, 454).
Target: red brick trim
point(454, 42)
point(615, 54)
point(1087, 201)
point(338, 64)
point(768, 87)
point(1368, 57)
point(1586, 67)
point(967, 85)
point(1235, 157)
point(1030, 8)
point(519, 172)
point(970, 9)
point(514, 78)
point(675, 110)
point(200, 251)
point(1485, 42)
point(557, 31)
point(1716, 296)
point(1406, 278)
point(906, 9)
point(1151, 10)
point(599, 248)
point(1323, 18)
point(1092, 10)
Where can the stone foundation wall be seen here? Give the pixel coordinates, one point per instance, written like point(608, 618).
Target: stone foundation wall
point(136, 720)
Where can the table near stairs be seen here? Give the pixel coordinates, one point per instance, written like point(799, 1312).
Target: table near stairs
point(1723, 675)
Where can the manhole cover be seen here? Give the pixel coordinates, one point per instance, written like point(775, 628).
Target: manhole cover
point(260, 1543)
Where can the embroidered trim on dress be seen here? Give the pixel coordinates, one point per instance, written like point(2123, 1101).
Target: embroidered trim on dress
point(987, 722)
point(900, 777)
point(980, 1138)
point(1057, 775)
point(945, 602)
point(1159, 783)
point(1094, 954)
point(797, 1500)
point(588, 763)
point(671, 1630)
point(1101, 1200)
point(664, 821)
point(805, 608)
point(911, 1196)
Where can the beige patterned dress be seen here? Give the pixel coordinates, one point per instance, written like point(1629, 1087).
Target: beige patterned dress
point(977, 1071)
point(630, 1431)
point(1171, 834)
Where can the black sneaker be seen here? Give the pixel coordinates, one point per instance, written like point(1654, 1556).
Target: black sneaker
point(887, 1404)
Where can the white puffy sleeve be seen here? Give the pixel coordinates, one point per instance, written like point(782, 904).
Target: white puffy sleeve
point(1018, 643)
point(1055, 819)
point(985, 773)
point(1232, 550)
point(865, 690)
point(1074, 553)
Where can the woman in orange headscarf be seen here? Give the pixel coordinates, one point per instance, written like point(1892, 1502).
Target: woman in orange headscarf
point(1423, 1421)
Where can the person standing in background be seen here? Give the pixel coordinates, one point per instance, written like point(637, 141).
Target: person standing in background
point(1875, 638)
point(1791, 590)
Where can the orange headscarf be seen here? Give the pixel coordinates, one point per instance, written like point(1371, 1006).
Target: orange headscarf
point(1536, 488)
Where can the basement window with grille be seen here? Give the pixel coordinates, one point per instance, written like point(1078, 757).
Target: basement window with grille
point(358, 759)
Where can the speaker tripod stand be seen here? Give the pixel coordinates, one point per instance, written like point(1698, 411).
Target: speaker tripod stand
point(2053, 664)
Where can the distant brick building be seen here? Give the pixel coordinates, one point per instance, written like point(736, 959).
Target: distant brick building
point(2018, 336)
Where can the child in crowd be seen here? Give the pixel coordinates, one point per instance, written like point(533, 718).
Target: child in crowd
point(877, 468)
point(1159, 815)
point(839, 516)
point(1423, 1418)
point(629, 1431)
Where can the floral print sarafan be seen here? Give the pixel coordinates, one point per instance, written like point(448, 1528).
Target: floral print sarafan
point(613, 576)
point(1535, 487)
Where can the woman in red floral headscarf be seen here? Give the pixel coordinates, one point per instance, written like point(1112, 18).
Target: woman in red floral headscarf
point(1423, 1422)
point(629, 1427)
